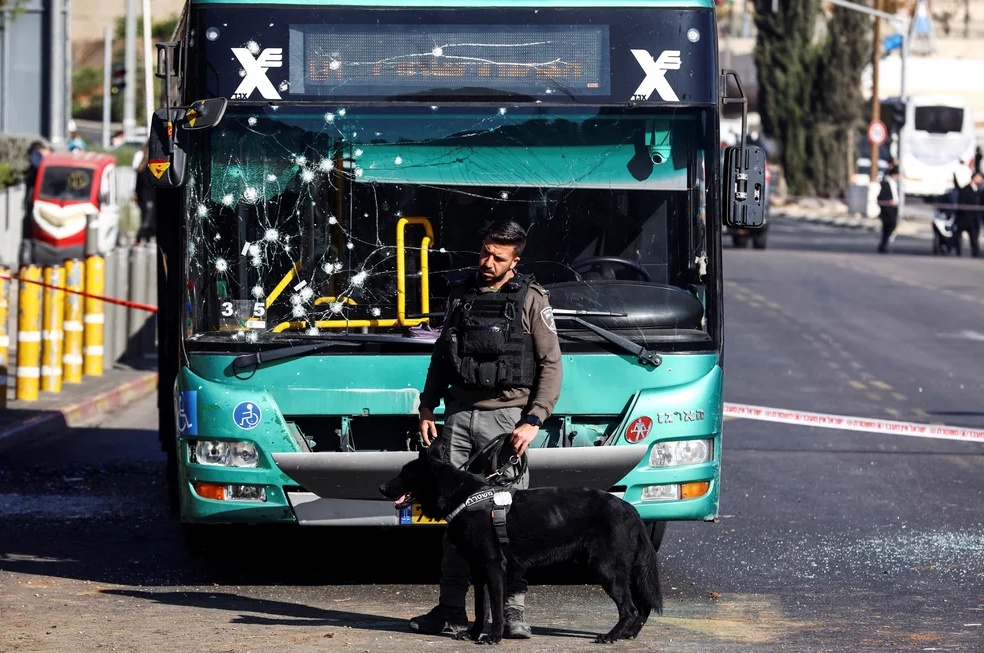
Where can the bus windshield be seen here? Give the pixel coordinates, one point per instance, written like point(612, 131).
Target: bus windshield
point(939, 120)
point(360, 218)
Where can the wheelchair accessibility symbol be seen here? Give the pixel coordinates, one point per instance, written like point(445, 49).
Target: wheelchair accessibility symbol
point(247, 415)
point(188, 412)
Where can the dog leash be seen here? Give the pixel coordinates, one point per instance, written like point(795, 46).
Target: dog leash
point(514, 461)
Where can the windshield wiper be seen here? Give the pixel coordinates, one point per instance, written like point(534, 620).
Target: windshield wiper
point(325, 341)
point(645, 356)
point(572, 311)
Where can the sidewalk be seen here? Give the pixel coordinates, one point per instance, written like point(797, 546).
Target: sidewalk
point(834, 213)
point(75, 405)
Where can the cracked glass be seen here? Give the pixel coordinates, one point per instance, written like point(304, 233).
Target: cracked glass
point(310, 220)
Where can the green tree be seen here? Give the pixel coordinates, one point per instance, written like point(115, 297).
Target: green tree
point(837, 104)
point(786, 62)
point(810, 97)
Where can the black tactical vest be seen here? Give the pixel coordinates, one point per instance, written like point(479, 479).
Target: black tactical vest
point(485, 347)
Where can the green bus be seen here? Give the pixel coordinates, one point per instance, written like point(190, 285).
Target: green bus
point(324, 176)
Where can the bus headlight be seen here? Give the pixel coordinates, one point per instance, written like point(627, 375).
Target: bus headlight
point(223, 454)
point(681, 452)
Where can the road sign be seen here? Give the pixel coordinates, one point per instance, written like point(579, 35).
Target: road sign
point(877, 133)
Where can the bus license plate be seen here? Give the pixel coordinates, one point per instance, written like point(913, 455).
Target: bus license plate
point(413, 515)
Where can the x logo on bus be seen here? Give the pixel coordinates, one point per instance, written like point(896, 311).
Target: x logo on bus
point(255, 72)
point(655, 80)
point(638, 429)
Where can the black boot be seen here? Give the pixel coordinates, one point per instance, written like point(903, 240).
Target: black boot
point(516, 627)
point(442, 619)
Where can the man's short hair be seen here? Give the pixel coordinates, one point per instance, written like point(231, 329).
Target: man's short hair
point(508, 232)
point(893, 170)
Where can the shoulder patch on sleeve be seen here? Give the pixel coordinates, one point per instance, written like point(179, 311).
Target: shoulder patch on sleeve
point(548, 319)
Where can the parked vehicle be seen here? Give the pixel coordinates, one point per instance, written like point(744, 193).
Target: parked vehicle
point(945, 237)
point(70, 188)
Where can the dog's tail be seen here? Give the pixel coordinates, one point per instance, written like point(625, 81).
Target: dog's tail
point(646, 575)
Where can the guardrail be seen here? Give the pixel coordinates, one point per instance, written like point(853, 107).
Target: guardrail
point(66, 322)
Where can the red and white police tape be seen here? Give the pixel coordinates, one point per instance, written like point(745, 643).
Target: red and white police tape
point(118, 302)
point(822, 420)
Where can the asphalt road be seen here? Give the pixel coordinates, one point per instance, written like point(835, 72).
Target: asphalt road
point(828, 540)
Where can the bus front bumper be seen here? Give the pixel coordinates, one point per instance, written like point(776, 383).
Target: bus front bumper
point(341, 489)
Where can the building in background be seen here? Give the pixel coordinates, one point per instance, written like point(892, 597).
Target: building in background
point(35, 69)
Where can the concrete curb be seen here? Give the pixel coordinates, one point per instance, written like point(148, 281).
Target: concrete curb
point(78, 413)
point(863, 224)
point(909, 228)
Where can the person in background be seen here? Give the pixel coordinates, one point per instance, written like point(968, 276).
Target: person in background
point(75, 142)
point(888, 200)
point(144, 195)
point(35, 152)
point(969, 214)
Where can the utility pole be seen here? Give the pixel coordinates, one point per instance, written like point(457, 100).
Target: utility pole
point(56, 24)
point(148, 70)
point(130, 65)
point(107, 85)
point(875, 100)
point(905, 107)
point(67, 63)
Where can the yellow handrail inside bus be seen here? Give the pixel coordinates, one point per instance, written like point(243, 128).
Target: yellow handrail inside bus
point(401, 287)
point(283, 284)
point(401, 270)
point(330, 300)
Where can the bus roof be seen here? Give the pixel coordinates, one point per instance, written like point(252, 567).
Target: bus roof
point(404, 4)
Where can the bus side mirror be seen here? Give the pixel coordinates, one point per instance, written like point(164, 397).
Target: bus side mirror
point(167, 157)
point(204, 114)
point(168, 138)
point(744, 187)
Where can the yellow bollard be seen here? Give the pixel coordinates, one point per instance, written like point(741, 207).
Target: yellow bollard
point(4, 338)
point(29, 335)
point(72, 358)
point(93, 319)
point(51, 334)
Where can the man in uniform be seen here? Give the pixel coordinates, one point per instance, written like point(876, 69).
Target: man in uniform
point(497, 365)
point(888, 200)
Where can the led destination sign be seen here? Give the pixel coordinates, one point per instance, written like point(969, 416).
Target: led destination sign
point(429, 59)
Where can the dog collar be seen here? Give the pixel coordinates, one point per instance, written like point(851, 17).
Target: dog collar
point(497, 497)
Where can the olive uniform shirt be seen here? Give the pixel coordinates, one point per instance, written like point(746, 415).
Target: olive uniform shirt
point(539, 400)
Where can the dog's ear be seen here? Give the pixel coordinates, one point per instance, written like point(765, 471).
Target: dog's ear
point(437, 449)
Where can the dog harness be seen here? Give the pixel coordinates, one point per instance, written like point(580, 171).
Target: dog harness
point(497, 501)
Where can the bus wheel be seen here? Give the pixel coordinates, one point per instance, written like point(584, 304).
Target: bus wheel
point(739, 241)
point(760, 240)
point(657, 529)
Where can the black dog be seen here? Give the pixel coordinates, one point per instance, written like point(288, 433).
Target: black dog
point(545, 526)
